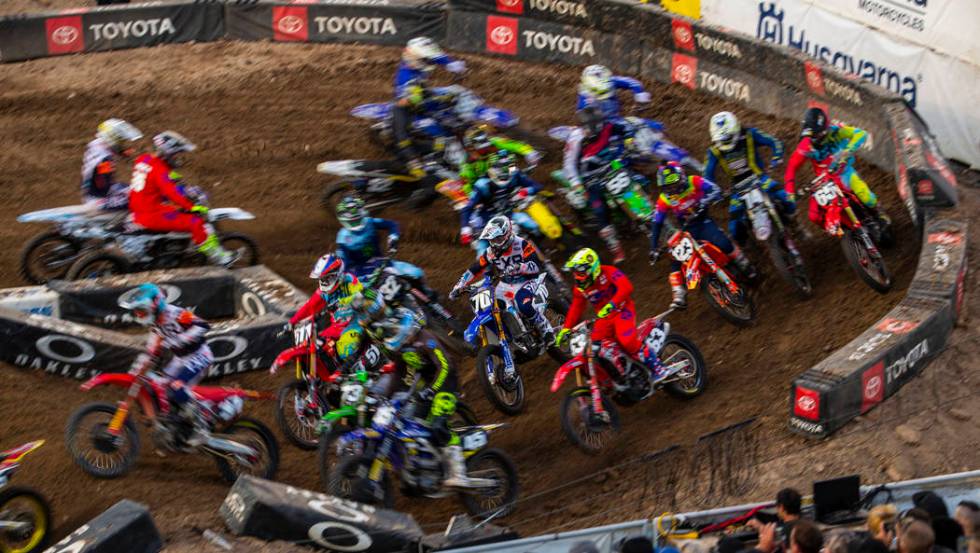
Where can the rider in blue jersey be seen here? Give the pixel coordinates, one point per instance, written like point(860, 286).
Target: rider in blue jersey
point(598, 87)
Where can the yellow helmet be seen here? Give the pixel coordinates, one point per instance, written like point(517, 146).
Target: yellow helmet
point(585, 267)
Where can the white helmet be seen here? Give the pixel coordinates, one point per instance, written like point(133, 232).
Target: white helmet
point(724, 129)
point(169, 144)
point(116, 132)
point(499, 233)
point(597, 81)
point(420, 51)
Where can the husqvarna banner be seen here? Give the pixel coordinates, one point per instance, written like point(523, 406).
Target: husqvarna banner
point(940, 87)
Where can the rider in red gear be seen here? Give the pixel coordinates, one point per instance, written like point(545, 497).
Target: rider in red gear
point(157, 203)
point(611, 294)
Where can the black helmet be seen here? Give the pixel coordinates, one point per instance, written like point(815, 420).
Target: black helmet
point(591, 119)
point(814, 124)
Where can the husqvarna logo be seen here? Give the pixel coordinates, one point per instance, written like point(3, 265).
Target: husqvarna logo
point(501, 35)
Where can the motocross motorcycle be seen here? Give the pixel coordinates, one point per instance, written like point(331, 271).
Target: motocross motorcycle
point(128, 248)
point(25, 516)
point(553, 227)
point(769, 229)
point(505, 341)
point(606, 376)
point(705, 266)
point(846, 218)
point(381, 183)
point(455, 107)
point(648, 142)
point(49, 255)
point(103, 440)
point(302, 402)
point(399, 444)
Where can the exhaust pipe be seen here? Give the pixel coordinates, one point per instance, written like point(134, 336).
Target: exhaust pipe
point(225, 448)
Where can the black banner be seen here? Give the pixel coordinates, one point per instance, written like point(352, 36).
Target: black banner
point(126, 526)
point(261, 291)
point(273, 511)
point(927, 176)
point(249, 345)
point(390, 24)
point(942, 261)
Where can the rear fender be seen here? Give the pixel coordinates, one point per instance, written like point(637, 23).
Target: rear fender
point(547, 221)
point(372, 112)
point(637, 203)
point(563, 371)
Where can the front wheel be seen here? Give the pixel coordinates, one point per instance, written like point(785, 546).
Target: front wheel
point(588, 430)
point(241, 244)
point(94, 449)
point(48, 256)
point(351, 480)
point(691, 377)
point(506, 393)
point(98, 264)
point(251, 433)
point(25, 521)
point(499, 499)
point(870, 267)
point(298, 414)
point(737, 308)
point(789, 266)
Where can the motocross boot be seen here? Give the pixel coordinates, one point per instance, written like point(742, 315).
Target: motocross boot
point(544, 328)
point(200, 432)
point(744, 265)
point(679, 292)
point(453, 454)
point(649, 359)
point(608, 235)
point(216, 254)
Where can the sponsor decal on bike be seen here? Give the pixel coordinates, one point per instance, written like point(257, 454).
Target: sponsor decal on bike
point(64, 35)
point(502, 35)
point(138, 28)
point(540, 40)
point(290, 24)
point(902, 366)
point(872, 386)
point(808, 427)
point(872, 344)
point(684, 70)
point(807, 403)
point(355, 25)
point(558, 7)
point(683, 34)
point(897, 326)
point(510, 6)
point(724, 86)
point(229, 356)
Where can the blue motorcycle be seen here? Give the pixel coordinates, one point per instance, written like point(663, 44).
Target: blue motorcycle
point(397, 443)
point(505, 340)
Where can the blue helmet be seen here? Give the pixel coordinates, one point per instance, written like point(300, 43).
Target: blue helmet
point(146, 301)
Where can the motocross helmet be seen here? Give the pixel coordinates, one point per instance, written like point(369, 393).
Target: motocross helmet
point(145, 302)
point(476, 140)
point(351, 213)
point(329, 271)
point(671, 179)
point(502, 169)
point(420, 51)
point(116, 133)
point(597, 81)
point(591, 119)
point(724, 129)
point(169, 144)
point(499, 232)
point(585, 267)
point(814, 124)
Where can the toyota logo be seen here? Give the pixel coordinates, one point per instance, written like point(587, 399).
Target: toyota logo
point(684, 74)
point(290, 24)
point(872, 388)
point(64, 35)
point(682, 35)
point(510, 3)
point(806, 404)
point(813, 77)
point(502, 35)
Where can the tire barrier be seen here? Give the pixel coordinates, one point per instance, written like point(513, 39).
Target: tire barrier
point(126, 526)
point(273, 511)
point(41, 327)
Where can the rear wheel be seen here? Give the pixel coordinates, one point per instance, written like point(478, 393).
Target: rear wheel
point(871, 268)
point(506, 393)
point(98, 264)
point(692, 376)
point(254, 434)
point(350, 481)
point(243, 245)
point(499, 499)
point(25, 521)
point(94, 449)
point(583, 426)
point(790, 267)
point(48, 256)
point(328, 454)
point(298, 414)
point(737, 308)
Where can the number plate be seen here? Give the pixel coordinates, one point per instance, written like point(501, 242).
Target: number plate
point(618, 183)
point(826, 194)
point(475, 440)
point(481, 301)
point(302, 333)
point(383, 416)
point(754, 198)
point(683, 250)
point(578, 343)
point(390, 288)
point(655, 340)
point(351, 393)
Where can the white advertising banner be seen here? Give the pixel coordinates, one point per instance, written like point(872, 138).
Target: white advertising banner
point(943, 89)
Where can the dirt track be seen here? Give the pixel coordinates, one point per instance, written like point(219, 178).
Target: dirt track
point(263, 115)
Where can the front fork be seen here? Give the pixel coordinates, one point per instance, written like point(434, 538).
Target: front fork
point(122, 410)
point(594, 390)
point(502, 335)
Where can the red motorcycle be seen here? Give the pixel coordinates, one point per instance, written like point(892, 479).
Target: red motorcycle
point(606, 376)
point(25, 516)
point(846, 218)
point(102, 438)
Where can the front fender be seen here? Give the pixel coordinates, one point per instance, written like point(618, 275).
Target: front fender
point(563, 371)
point(341, 413)
point(288, 355)
point(120, 380)
point(473, 330)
